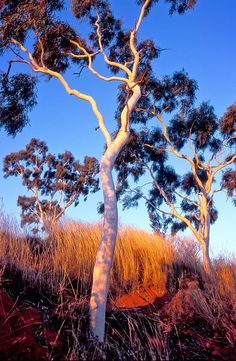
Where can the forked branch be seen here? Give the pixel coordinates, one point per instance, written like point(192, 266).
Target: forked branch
point(109, 62)
point(89, 57)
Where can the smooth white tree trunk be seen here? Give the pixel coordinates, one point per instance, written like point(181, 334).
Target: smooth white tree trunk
point(106, 248)
point(205, 248)
point(206, 258)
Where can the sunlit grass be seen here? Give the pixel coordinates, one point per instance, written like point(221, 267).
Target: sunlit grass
point(141, 259)
point(63, 266)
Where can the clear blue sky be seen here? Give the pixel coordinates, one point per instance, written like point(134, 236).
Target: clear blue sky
point(202, 42)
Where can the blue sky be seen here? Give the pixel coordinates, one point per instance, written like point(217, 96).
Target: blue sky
point(202, 42)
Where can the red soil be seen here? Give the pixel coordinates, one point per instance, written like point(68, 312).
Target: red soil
point(23, 336)
point(140, 298)
point(179, 309)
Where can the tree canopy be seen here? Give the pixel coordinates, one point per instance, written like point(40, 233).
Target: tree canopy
point(175, 200)
point(54, 182)
point(56, 45)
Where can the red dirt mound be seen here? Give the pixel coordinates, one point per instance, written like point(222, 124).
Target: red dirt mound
point(140, 298)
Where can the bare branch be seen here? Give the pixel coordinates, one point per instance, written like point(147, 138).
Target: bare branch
point(193, 149)
point(133, 39)
point(33, 62)
point(42, 52)
point(109, 62)
point(187, 199)
point(222, 149)
point(198, 218)
point(23, 61)
point(223, 165)
point(150, 203)
point(67, 205)
point(213, 193)
point(89, 56)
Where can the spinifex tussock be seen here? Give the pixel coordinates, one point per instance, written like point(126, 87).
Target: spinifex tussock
point(139, 261)
point(191, 314)
point(67, 259)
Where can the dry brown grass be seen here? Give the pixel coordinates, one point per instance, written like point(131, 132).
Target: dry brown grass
point(141, 259)
point(226, 277)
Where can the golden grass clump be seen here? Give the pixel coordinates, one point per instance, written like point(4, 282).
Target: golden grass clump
point(140, 260)
point(226, 277)
point(14, 248)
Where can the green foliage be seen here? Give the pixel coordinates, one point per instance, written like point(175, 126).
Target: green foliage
point(196, 131)
point(51, 39)
point(55, 182)
point(228, 121)
point(17, 97)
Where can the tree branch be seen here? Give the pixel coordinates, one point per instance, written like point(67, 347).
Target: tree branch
point(178, 154)
point(133, 39)
point(109, 62)
point(223, 165)
point(68, 204)
point(222, 149)
point(69, 90)
point(89, 56)
point(174, 210)
point(187, 199)
point(150, 203)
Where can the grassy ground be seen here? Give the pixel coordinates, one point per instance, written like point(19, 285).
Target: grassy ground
point(161, 306)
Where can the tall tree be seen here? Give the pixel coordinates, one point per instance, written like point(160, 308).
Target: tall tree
point(54, 182)
point(54, 47)
point(207, 145)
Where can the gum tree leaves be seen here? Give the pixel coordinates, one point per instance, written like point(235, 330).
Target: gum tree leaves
point(17, 97)
point(54, 181)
